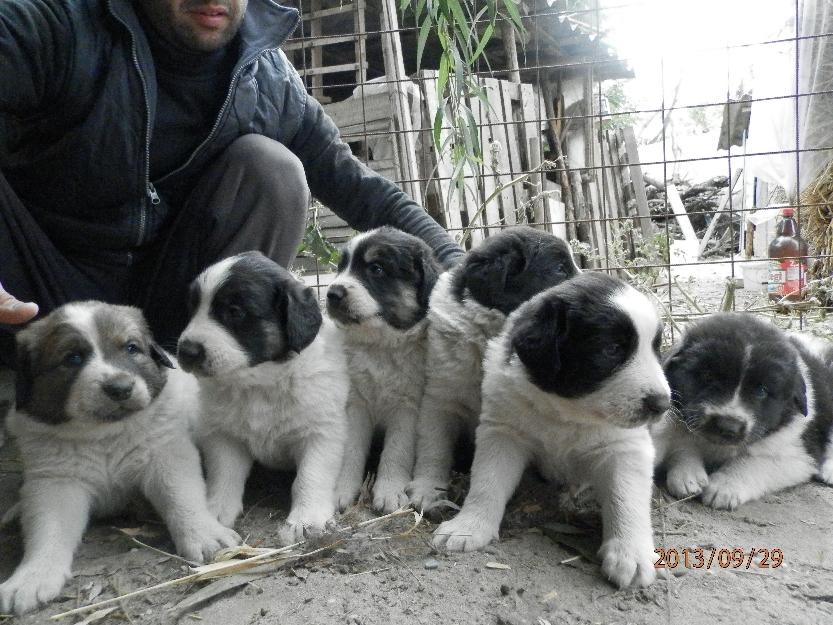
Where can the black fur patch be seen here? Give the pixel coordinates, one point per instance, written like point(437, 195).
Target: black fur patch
point(398, 270)
point(817, 435)
point(266, 309)
point(711, 362)
point(572, 339)
point(511, 267)
point(47, 353)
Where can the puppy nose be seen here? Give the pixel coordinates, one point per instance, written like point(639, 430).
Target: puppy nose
point(335, 294)
point(730, 428)
point(656, 403)
point(190, 353)
point(119, 388)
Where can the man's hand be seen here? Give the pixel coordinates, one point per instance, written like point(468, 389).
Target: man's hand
point(13, 311)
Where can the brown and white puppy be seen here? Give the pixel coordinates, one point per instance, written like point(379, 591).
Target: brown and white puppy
point(752, 411)
point(570, 385)
point(468, 306)
point(274, 387)
point(379, 300)
point(102, 415)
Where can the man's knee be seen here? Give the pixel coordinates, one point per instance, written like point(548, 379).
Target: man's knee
point(269, 163)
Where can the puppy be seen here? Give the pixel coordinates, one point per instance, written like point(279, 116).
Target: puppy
point(379, 300)
point(274, 387)
point(468, 307)
point(752, 411)
point(102, 415)
point(570, 385)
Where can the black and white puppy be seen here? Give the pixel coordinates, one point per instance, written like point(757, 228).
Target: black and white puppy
point(752, 411)
point(274, 387)
point(379, 300)
point(102, 415)
point(468, 307)
point(570, 385)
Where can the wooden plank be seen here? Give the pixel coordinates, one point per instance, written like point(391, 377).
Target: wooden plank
point(498, 158)
point(331, 69)
point(635, 167)
point(490, 215)
point(347, 7)
point(529, 138)
point(449, 202)
point(679, 211)
point(395, 73)
point(297, 44)
point(317, 54)
point(720, 210)
point(600, 211)
point(621, 178)
point(360, 49)
point(510, 137)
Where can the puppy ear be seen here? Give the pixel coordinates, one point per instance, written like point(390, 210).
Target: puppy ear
point(160, 357)
point(800, 394)
point(537, 338)
point(429, 271)
point(486, 278)
point(24, 375)
point(302, 316)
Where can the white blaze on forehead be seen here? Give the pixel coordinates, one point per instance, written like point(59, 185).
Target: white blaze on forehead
point(641, 312)
point(213, 278)
point(81, 317)
point(643, 373)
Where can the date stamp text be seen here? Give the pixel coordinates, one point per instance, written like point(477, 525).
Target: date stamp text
point(722, 557)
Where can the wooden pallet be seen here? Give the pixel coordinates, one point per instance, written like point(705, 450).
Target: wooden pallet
point(308, 52)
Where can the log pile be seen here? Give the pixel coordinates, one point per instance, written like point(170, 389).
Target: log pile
point(701, 200)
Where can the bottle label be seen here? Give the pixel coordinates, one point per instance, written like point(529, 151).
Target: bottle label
point(786, 278)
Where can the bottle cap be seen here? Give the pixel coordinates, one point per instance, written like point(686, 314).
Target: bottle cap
point(787, 211)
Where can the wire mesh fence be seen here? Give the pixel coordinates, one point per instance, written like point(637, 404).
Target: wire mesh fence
point(661, 138)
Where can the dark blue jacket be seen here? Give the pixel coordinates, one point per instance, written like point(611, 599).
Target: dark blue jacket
point(77, 98)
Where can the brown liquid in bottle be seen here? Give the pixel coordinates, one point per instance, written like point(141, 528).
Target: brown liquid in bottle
point(788, 261)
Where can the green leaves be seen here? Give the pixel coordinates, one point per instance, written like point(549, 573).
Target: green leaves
point(463, 32)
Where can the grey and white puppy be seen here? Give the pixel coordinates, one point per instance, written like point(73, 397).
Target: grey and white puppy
point(570, 385)
point(379, 301)
point(469, 306)
point(752, 411)
point(102, 415)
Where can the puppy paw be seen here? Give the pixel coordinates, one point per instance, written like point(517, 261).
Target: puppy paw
point(199, 542)
point(424, 493)
point(465, 532)
point(826, 471)
point(389, 496)
point(225, 510)
point(685, 480)
point(346, 496)
point(30, 587)
point(725, 493)
point(303, 524)
point(628, 563)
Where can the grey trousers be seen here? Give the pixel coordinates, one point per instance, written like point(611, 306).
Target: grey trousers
point(253, 197)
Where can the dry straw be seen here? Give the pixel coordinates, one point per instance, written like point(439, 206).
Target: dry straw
point(228, 562)
point(817, 221)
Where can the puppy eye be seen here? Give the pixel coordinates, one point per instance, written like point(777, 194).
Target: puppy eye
point(235, 312)
point(761, 392)
point(132, 349)
point(376, 269)
point(73, 359)
point(614, 350)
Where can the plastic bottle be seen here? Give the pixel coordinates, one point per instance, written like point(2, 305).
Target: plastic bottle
point(788, 260)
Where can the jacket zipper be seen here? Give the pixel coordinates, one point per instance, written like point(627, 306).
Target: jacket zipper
point(150, 191)
point(232, 88)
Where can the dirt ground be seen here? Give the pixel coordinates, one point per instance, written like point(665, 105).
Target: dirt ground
point(384, 576)
point(543, 570)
